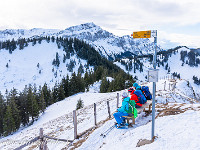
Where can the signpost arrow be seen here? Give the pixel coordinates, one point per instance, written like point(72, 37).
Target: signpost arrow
point(144, 34)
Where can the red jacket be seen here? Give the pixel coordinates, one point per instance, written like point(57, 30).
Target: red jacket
point(135, 98)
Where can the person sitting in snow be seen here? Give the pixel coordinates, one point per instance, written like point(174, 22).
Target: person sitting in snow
point(122, 111)
point(140, 95)
point(134, 97)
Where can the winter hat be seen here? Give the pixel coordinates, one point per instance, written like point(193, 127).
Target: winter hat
point(135, 85)
point(130, 89)
point(124, 94)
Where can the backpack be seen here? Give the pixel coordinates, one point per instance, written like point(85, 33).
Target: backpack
point(142, 99)
point(131, 108)
point(146, 92)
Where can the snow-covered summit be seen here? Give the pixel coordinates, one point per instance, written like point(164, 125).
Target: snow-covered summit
point(85, 26)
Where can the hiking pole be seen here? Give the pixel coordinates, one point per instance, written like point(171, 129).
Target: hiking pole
point(107, 131)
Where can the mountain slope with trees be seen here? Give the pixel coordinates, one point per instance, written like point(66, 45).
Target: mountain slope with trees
point(46, 70)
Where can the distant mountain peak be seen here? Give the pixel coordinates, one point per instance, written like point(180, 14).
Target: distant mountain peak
point(86, 26)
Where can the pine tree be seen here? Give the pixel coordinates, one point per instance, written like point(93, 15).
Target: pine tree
point(104, 85)
point(70, 66)
point(47, 94)
point(32, 104)
point(35, 109)
point(80, 69)
point(13, 45)
point(166, 67)
point(61, 92)
point(2, 111)
point(56, 61)
point(21, 44)
point(183, 55)
point(34, 42)
point(130, 65)
point(119, 82)
point(98, 73)
point(65, 83)
point(12, 99)
point(141, 67)
point(53, 39)
point(73, 84)
point(79, 104)
point(111, 87)
point(8, 122)
point(23, 108)
point(86, 79)
point(55, 93)
point(192, 58)
point(81, 83)
point(41, 102)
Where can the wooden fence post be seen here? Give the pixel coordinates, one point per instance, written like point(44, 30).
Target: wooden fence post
point(41, 139)
point(108, 109)
point(95, 114)
point(117, 100)
point(75, 124)
point(164, 85)
point(43, 144)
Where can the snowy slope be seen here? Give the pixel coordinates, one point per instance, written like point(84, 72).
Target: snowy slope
point(22, 66)
point(57, 122)
point(173, 132)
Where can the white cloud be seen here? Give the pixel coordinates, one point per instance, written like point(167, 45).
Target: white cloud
point(178, 39)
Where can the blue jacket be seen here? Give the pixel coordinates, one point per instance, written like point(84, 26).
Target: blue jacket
point(124, 106)
point(142, 99)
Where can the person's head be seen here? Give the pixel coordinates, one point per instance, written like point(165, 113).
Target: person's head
point(135, 85)
point(125, 94)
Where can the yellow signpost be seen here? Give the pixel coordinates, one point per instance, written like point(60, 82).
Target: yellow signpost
point(142, 34)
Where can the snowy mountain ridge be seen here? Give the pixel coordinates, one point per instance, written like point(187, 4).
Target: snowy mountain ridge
point(107, 44)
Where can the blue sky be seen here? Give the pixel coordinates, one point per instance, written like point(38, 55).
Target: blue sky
point(177, 21)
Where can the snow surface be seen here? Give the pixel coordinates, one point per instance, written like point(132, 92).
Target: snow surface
point(173, 131)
